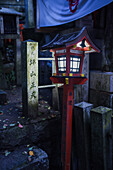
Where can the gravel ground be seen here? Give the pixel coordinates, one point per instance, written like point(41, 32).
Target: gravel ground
point(11, 113)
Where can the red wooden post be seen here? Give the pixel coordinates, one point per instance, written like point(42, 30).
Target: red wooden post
point(67, 125)
point(67, 116)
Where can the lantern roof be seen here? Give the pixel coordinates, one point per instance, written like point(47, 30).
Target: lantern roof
point(9, 11)
point(72, 40)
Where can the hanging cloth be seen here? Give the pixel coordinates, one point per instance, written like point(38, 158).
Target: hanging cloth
point(54, 13)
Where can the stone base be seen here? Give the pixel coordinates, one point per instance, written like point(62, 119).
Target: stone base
point(20, 159)
point(3, 97)
point(98, 98)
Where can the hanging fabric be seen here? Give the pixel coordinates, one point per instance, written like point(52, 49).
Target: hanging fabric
point(53, 13)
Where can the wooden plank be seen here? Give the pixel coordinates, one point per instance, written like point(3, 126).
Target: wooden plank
point(53, 59)
point(47, 86)
point(10, 36)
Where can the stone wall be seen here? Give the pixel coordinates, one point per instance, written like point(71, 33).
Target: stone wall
point(101, 88)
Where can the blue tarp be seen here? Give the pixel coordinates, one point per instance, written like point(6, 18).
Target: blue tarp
point(57, 12)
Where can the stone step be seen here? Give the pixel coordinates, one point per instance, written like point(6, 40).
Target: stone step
point(45, 133)
point(23, 158)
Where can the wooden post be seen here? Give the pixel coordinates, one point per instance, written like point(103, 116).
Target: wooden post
point(81, 137)
point(101, 138)
point(29, 14)
point(30, 78)
point(67, 126)
point(1, 25)
point(18, 61)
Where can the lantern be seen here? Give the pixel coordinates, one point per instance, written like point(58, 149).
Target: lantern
point(69, 51)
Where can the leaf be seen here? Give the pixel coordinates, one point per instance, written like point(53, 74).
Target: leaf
point(7, 153)
point(12, 124)
point(4, 127)
point(31, 153)
point(22, 117)
point(49, 108)
point(24, 153)
point(20, 126)
point(1, 112)
point(53, 116)
point(43, 119)
point(31, 148)
point(29, 159)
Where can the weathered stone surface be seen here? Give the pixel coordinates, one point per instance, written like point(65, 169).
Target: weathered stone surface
point(112, 138)
point(45, 134)
point(30, 78)
point(101, 81)
point(3, 97)
point(100, 137)
point(99, 98)
point(82, 136)
point(19, 159)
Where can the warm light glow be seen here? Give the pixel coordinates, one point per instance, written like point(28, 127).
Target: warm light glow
point(61, 63)
point(86, 44)
point(74, 64)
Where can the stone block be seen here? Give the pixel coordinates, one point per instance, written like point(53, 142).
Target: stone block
point(99, 98)
point(101, 81)
point(19, 159)
point(82, 136)
point(3, 97)
point(95, 80)
point(101, 142)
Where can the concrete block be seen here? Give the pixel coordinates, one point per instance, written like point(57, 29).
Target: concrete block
point(82, 136)
point(101, 142)
point(101, 81)
point(99, 98)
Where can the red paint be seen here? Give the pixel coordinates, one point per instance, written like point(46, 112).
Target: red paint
point(73, 5)
point(67, 60)
point(56, 63)
point(82, 59)
point(67, 126)
point(21, 28)
point(72, 80)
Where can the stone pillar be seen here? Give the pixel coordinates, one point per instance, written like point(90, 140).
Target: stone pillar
point(101, 138)
point(18, 62)
point(1, 25)
point(30, 23)
point(81, 137)
point(30, 78)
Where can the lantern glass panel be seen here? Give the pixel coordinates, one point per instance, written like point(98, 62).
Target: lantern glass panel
point(75, 62)
point(61, 63)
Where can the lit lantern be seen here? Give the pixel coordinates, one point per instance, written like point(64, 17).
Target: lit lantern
point(69, 51)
